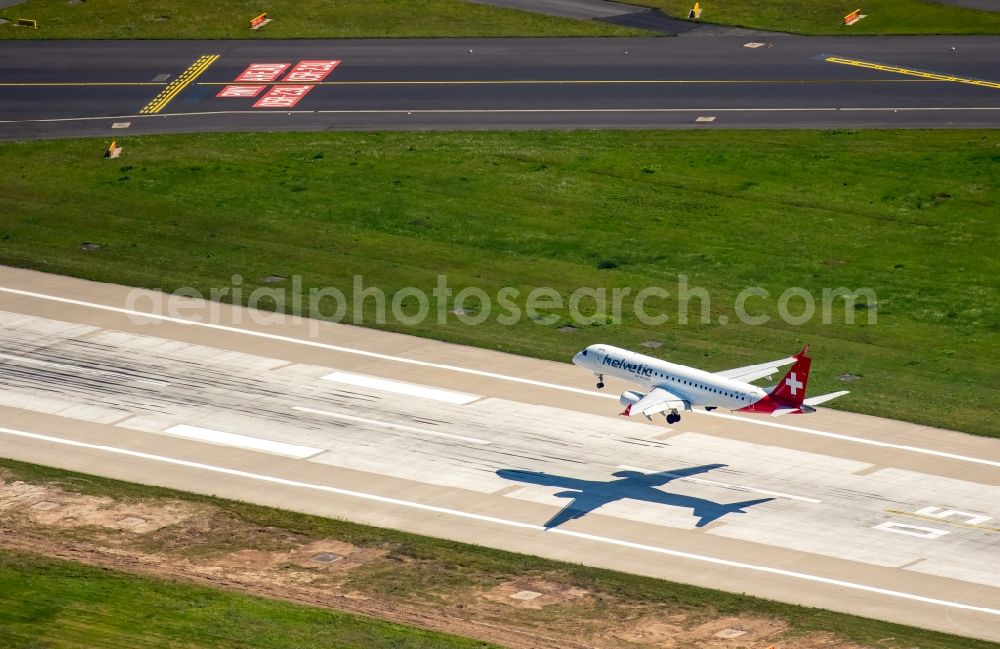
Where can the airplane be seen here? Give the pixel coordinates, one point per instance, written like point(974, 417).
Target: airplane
point(588, 495)
point(672, 388)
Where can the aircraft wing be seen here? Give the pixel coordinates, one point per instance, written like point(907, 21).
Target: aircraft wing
point(544, 479)
point(750, 373)
point(663, 477)
point(658, 400)
point(823, 398)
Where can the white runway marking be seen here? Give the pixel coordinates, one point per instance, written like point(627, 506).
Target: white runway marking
point(241, 441)
point(399, 387)
point(505, 522)
point(493, 375)
point(911, 530)
point(737, 487)
point(386, 424)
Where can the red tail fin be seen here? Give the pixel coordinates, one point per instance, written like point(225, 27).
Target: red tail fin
point(792, 389)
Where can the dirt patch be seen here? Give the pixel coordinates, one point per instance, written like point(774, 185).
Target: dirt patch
point(751, 632)
point(326, 555)
point(213, 545)
point(534, 594)
point(49, 505)
point(650, 631)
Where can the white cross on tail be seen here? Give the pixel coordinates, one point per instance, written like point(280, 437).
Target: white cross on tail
point(793, 383)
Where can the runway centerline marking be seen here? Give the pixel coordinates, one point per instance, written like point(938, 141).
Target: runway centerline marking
point(930, 76)
point(390, 425)
point(475, 372)
point(503, 521)
point(401, 387)
point(176, 86)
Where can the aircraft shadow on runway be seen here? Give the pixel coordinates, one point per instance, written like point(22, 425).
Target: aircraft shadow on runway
point(589, 495)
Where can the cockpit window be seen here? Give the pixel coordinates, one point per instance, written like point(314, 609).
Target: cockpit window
point(585, 352)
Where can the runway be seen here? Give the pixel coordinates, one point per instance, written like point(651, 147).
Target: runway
point(843, 511)
point(695, 80)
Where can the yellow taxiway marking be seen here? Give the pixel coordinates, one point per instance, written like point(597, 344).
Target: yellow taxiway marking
point(931, 76)
point(98, 84)
point(175, 87)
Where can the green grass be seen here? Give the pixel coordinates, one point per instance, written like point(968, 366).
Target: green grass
point(66, 604)
point(292, 19)
point(824, 17)
point(51, 603)
point(910, 214)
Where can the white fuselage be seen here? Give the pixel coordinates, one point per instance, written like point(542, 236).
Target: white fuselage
point(698, 387)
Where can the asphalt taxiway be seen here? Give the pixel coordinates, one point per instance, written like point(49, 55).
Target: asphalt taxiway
point(838, 510)
point(66, 88)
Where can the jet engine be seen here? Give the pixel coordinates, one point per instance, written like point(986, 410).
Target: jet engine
point(630, 397)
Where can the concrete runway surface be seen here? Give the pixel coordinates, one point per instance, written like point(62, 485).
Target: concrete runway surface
point(114, 88)
point(838, 510)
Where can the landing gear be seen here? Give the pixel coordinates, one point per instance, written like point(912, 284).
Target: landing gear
point(673, 417)
point(600, 381)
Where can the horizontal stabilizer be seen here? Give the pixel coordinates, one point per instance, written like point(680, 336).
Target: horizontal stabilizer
point(815, 401)
point(753, 372)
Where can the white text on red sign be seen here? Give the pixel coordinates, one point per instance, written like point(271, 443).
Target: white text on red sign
point(263, 72)
point(311, 71)
point(240, 91)
point(283, 96)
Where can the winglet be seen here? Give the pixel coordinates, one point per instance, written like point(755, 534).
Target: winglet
point(627, 412)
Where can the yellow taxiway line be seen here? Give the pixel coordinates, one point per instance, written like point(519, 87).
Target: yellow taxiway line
point(555, 82)
point(98, 84)
point(930, 76)
point(175, 87)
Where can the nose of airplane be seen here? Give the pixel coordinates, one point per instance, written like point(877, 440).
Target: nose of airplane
point(578, 358)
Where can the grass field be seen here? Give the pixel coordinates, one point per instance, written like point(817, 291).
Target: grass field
point(62, 605)
point(910, 214)
point(437, 18)
point(51, 603)
point(824, 17)
point(292, 19)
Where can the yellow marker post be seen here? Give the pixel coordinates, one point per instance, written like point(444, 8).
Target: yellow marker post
point(853, 17)
point(113, 150)
point(259, 21)
point(695, 12)
point(27, 22)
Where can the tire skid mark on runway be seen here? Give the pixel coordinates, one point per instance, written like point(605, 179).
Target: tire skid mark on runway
point(386, 424)
point(482, 373)
point(504, 522)
point(726, 485)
